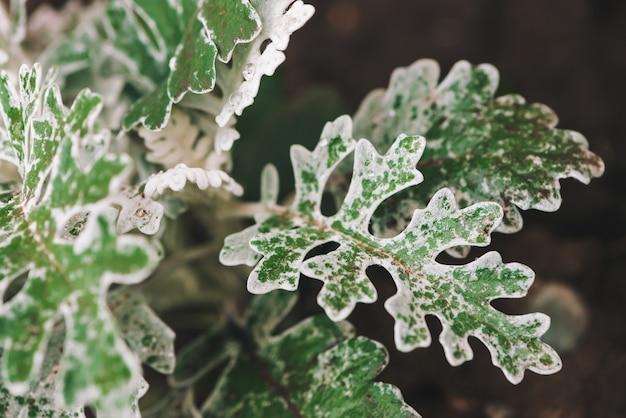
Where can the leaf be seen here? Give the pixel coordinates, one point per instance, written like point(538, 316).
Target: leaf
point(280, 18)
point(200, 32)
point(39, 401)
point(56, 231)
point(316, 368)
point(149, 337)
point(176, 178)
point(483, 148)
point(459, 296)
point(177, 142)
point(137, 211)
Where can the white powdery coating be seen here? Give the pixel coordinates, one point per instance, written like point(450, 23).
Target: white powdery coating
point(225, 137)
point(137, 211)
point(278, 26)
point(265, 64)
point(176, 178)
point(177, 143)
point(237, 249)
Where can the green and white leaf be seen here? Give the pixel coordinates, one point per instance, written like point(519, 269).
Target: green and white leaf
point(39, 400)
point(483, 148)
point(459, 296)
point(56, 231)
point(146, 335)
point(279, 20)
point(172, 48)
point(316, 368)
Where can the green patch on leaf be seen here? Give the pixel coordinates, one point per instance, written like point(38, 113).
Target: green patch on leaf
point(459, 295)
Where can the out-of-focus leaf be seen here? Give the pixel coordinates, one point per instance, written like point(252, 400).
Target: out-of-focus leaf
point(39, 401)
point(149, 337)
point(55, 230)
point(316, 368)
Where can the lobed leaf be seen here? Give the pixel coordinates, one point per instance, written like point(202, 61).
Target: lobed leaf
point(39, 401)
point(56, 232)
point(149, 337)
point(459, 296)
point(483, 148)
point(316, 368)
point(136, 210)
point(172, 48)
point(218, 50)
point(280, 18)
point(176, 178)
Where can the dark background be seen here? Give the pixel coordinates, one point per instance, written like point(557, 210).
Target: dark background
point(568, 54)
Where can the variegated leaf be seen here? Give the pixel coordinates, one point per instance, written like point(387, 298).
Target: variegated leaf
point(483, 148)
point(149, 337)
point(316, 368)
point(173, 47)
point(458, 295)
point(56, 232)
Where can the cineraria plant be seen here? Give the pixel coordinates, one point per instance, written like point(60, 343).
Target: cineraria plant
point(117, 204)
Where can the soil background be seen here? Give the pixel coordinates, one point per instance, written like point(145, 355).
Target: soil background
point(570, 55)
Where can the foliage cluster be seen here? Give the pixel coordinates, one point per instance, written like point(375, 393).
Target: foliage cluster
point(122, 207)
